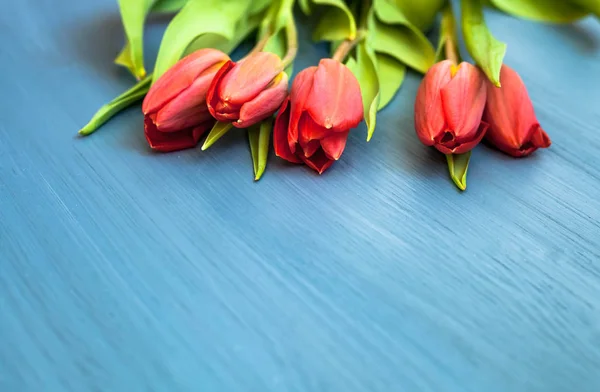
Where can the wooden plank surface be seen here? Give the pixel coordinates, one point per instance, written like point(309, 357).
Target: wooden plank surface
point(124, 270)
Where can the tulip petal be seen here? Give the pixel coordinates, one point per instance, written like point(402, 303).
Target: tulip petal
point(470, 144)
point(189, 107)
point(514, 128)
point(212, 96)
point(169, 119)
point(310, 147)
point(173, 141)
point(181, 76)
point(537, 139)
point(264, 105)
point(201, 129)
point(298, 96)
point(446, 140)
point(429, 111)
point(317, 161)
point(249, 77)
point(333, 146)
point(224, 108)
point(280, 130)
point(519, 109)
point(463, 100)
point(335, 100)
point(309, 130)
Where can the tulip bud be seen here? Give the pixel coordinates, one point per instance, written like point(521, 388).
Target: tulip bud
point(313, 124)
point(175, 112)
point(248, 91)
point(514, 129)
point(449, 106)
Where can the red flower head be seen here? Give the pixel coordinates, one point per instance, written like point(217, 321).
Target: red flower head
point(248, 91)
point(313, 123)
point(175, 112)
point(449, 106)
point(514, 129)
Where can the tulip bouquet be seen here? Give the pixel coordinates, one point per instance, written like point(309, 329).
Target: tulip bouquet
point(196, 88)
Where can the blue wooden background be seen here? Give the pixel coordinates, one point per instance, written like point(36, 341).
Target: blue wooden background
point(125, 270)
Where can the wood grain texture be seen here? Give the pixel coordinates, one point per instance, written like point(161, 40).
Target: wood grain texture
point(124, 270)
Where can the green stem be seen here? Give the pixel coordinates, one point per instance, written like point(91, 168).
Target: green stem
point(346, 47)
point(292, 41)
point(260, 45)
point(448, 35)
point(106, 112)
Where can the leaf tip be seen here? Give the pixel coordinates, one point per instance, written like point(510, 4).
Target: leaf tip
point(85, 131)
point(259, 172)
point(462, 185)
point(140, 73)
point(458, 165)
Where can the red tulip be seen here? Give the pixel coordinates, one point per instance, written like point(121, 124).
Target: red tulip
point(248, 91)
point(313, 123)
point(449, 106)
point(514, 129)
point(175, 112)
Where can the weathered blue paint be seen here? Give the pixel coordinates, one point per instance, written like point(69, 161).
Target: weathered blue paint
point(124, 270)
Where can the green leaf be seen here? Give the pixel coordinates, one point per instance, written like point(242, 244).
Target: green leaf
point(458, 164)
point(365, 70)
point(123, 101)
point(277, 16)
point(592, 6)
point(259, 6)
point(394, 35)
point(336, 23)
point(198, 17)
point(279, 23)
point(125, 59)
point(259, 137)
point(563, 11)
point(278, 44)
point(166, 6)
point(391, 72)
point(487, 51)
point(218, 130)
point(133, 22)
point(208, 41)
point(243, 29)
point(305, 6)
point(133, 15)
point(421, 13)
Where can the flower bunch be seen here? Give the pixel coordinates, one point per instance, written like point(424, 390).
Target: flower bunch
point(457, 106)
point(197, 89)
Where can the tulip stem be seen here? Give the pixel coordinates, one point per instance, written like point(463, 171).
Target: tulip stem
point(292, 41)
point(346, 47)
point(260, 45)
point(450, 50)
point(448, 35)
